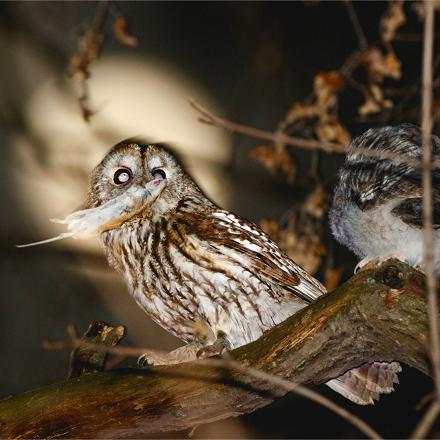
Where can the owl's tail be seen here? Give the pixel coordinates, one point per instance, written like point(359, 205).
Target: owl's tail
point(364, 385)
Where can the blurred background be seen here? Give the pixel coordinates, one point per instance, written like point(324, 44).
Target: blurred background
point(78, 77)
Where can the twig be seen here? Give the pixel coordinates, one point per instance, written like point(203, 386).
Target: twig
point(363, 42)
point(430, 416)
point(230, 364)
point(121, 351)
point(427, 421)
point(278, 137)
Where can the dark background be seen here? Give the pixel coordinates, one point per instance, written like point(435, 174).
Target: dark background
point(253, 60)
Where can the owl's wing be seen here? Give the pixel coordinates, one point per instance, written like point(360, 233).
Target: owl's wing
point(410, 211)
point(244, 242)
point(371, 181)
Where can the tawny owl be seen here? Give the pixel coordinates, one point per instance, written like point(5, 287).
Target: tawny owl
point(377, 206)
point(209, 277)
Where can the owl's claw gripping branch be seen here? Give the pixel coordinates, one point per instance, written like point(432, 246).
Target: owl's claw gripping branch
point(221, 345)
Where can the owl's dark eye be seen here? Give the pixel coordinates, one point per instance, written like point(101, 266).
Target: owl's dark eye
point(122, 176)
point(159, 173)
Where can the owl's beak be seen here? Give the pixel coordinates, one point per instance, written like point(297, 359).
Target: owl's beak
point(110, 215)
point(148, 194)
point(155, 186)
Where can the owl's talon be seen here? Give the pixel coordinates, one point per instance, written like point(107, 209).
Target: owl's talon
point(220, 346)
point(208, 351)
point(377, 260)
point(145, 361)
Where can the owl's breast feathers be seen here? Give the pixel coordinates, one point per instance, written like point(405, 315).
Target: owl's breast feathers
point(201, 262)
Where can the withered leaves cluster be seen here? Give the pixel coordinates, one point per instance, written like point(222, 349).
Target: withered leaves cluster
point(381, 62)
point(372, 70)
point(302, 237)
point(322, 111)
point(379, 66)
point(276, 159)
point(90, 44)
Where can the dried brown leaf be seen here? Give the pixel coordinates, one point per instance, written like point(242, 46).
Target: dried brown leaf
point(332, 277)
point(276, 159)
point(272, 228)
point(307, 250)
point(369, 107)
point(315, 203)
point(332, 131)
point(326, 87)
point(380, 66)
point(89, 47)
point(120, 29)
point(392, 20)
point(299, 111)
point(374, 101)
point(266, 156)
point(302, 240)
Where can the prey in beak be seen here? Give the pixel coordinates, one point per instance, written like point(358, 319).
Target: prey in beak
point(112, 214)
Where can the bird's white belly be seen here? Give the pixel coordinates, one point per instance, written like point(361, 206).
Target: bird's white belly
point(379, 233)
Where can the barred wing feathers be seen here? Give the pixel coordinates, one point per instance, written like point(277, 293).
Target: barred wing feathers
point(246, 243)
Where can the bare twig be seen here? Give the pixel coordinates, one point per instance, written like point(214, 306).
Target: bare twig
point(430, 416)
point(427, 421)
point(278, 137)
point(426, 124)
point(363, 42)
point(230, 364)
point(121, 351)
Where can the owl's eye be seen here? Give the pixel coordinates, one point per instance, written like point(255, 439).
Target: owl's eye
point(122, 176)
point(159, 173)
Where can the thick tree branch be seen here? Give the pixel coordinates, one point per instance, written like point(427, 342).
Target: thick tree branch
point(380, 314)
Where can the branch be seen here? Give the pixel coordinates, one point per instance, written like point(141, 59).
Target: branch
point(431, 415)
point(380, 314)
point(363, 43)
point(278, 137)
point(226, 363)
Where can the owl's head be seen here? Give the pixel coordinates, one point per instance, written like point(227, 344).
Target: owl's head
point(133, 179)
point(132, 165)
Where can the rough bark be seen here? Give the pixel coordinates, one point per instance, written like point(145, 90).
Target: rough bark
point(379, 314)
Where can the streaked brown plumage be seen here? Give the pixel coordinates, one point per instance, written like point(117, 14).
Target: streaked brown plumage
point(211, 278)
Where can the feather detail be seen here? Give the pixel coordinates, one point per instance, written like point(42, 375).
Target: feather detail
point(240, 238)
point(364, 385)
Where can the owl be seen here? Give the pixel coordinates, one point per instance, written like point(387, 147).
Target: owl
point(211, 278)
point(377, 210)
